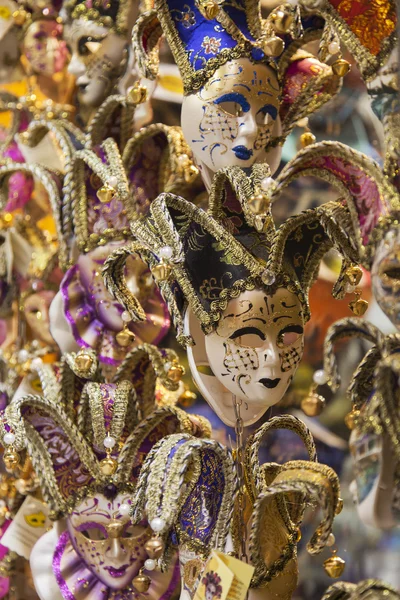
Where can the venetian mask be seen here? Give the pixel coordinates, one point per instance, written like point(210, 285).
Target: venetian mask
point(111, 547)
point(234, 116)
point(253, 353)
point(386, 276)
point(36, 313)
point(44, 48)
point(96, 58)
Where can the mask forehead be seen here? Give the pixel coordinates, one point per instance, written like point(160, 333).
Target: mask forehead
point(257, 83)
point(258, 309)
point(82, 28)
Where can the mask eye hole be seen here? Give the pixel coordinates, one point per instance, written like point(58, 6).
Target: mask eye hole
point(392, 273)
point(249, 337)
point(289, 335)
point(266, 115)
point(231, 108)
point(133, 531)
point(94, 533)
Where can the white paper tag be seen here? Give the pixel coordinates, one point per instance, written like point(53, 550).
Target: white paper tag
point(29, 524)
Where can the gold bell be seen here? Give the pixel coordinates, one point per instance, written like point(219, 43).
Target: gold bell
point(258, 204)
point(20, 16)
point(353, 275)
point(125, 337)
point(137, 94)
point(190, 173)
point(105, 194)
point(358, 306)
point(350, 419)
point(282, 21)
point(334, 566)
point(273, 46)
point(307, 139)
point(187, 399)
point(208, 9)
point(108, 465)
point(341, 67)
point(83, 362)
point(141, 582)
point(11, 459)
point(154, 547)
point(161, 272)
point(313, 404)
point(175, 373)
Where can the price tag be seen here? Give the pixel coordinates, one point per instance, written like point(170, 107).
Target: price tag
point(28, 525)
point(224, 578)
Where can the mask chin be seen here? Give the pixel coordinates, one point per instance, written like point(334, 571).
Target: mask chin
point(211, 388)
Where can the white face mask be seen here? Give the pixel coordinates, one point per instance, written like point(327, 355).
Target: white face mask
point(253, 353)
point(385, 275)
point(232, 118)
point(96, 58)
point(115, 556)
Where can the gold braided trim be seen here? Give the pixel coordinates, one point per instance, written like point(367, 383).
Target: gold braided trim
point(347, 327)
point(97, 128)
point(369, 64)
point(168, 483)
point(148, 26)
point(370, 589)
point(77, 196)
point(254, 477)
point(313, 481)
point(81, 11)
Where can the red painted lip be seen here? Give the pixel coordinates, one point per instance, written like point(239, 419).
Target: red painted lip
point(117, 572)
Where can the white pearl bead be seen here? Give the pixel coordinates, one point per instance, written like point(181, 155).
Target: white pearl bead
point(349, 289)
point(165, 252)
point(9, 438)
point(167, 367)
point(302, 122)
point(124, 509)
point(150, 564)
point(157, 524)
point(331, 540)
point(183, 159)
point(333, 48)
point(23, 355)
point(320, 377)
point(126, 317)
point(109, 442)
point(266, 183)
point(113, 181)
point(36, 363)
point(268, 277)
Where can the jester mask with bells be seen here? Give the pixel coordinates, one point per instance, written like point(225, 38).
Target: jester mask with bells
point(246, 82)
point(87, 442)
point(374, 419)
point(98, 36)
point(236, 288)
point(102, 190)
point(274, 509)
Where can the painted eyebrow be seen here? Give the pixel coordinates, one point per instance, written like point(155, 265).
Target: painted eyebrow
point(246, 330)
point(269, 109)
point(234, 97)
point(292, 328)
point(91, 525)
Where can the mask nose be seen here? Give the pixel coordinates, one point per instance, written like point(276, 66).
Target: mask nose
point(76, 67)
point(270, 354)
point(115, 549)
point(249, 128)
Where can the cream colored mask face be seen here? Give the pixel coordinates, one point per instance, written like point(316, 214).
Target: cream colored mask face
point(253, 354)
point(36, 313)
point(97, 56)
point(111, 547)
point(234, 116)
point(385, 275)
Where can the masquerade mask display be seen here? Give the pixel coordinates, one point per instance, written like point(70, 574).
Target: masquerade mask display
point(237, 294)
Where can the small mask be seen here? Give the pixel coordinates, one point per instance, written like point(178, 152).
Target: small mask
point(96, 58)
point(44, 48)
point(386, 276)
point(111, 547)
point(234, 116)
